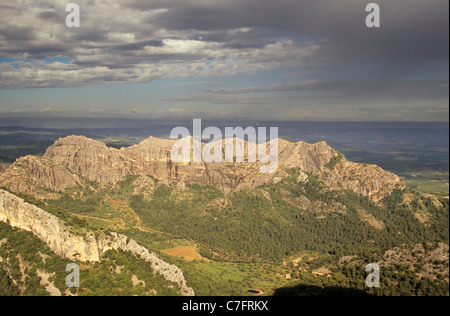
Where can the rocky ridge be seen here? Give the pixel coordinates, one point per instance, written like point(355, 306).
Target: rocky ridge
point(77, 160)
point(30, 172)
point(87, 247)
point(90, 159)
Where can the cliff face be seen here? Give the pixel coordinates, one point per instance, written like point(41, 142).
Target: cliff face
point(365, 180)
point(30, 172)
point(3, 167)
point(168, 271)
point(90, 159)
point(61, 240)
point(152, 157)
point(76, 156)
point(48, 228)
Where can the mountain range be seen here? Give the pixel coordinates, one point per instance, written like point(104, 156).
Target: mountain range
point(77, 160)
point(317, 220)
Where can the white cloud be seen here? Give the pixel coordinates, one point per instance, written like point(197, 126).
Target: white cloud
point(135, 41)
point(118, 43)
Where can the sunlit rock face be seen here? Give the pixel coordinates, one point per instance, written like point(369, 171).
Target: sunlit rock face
point(76, 246)
point(77, 160)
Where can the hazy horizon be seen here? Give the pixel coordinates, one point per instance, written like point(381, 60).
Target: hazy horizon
point(61, 123)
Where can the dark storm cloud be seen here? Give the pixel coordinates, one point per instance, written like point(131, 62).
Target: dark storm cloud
point(412, 31)
point(90, 35)
point(237, 35)
point(51, 16)
point(38, 51)
point(17, 33)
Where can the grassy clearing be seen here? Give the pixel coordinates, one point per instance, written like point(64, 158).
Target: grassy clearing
point(429, 186)
point(431, 182)
point(187, 253)
point(233, 279)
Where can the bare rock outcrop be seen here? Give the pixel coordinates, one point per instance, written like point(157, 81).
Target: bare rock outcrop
point(48, 228)
point(75, 157)
point(366, 180)
point(80, 247)
point(152, 157)
point(170, 272)
point(3, 167)
point(90, 159)
point(30, 172)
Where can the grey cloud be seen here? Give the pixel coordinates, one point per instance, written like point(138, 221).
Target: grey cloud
point(246, 34)
point(38, 51)
point(138, 46)
point(17, 33)
point(412, 31)
point(52, 16)
point(241, 38)
point(90, 35)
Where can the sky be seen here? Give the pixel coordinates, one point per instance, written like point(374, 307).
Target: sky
point(243, 59)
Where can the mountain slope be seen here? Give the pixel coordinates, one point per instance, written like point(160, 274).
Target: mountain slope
point(318, 205)
point(80, 247)
point(29, 173)
point(90, 159)
point(93, 161)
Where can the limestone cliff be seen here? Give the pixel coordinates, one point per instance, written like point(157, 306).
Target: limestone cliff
point(366, 180)
point(152, 157)
point(90, 159)
point(87, 247)
point(75, 157)
point(168, 271)
point(3, 167)
point(30, 172)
